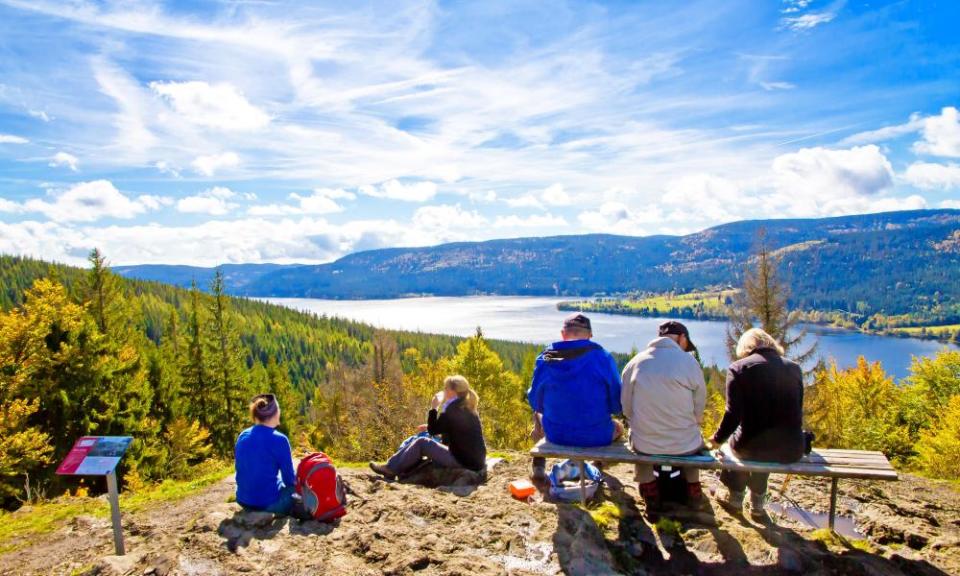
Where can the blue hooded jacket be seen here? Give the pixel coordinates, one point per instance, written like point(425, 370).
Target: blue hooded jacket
point(576, 393)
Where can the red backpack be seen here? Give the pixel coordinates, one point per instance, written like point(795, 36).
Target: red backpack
point(324, 495)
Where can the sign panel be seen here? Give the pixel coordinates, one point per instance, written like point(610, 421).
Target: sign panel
point(94, 455)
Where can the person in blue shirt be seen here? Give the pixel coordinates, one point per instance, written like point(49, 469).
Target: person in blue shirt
point(264, 462)
point(575, 391)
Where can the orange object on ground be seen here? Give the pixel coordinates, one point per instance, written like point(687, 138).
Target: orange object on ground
point(522, 489)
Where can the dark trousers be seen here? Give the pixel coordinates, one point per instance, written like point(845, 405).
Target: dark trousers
point(412, 453)
point(739, 481)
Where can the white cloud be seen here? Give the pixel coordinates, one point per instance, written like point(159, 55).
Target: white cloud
point(90, 201)
point(822, 181)
point(321, 201)
point(617, 218)
point(213, 201)
point(165, 168)
point(707, 198)
point(950, 204)
point(525, 201)
point(220, 106)
point(64, 159)
point(10, 206)
point(915, 124)
point(447, 222)
point(553, 195)
point(941, 134)
point(11, 139)
point(770, 86)
point(932, 176)
point(484, 197)
point(152, 202)
point(396, 190)
point(210, 165)
point(531, 221)
point(807, 21)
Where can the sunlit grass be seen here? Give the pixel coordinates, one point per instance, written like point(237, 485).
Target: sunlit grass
point(831, 538)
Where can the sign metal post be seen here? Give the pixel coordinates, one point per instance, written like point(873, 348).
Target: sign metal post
point(114, 496)
point(99, 456)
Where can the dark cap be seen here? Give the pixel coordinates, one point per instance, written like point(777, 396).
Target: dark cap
point(577, 322)
point(674, 327)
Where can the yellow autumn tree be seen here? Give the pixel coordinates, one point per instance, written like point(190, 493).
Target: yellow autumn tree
point(857, 408)
point(938, 450)
point(23, 447)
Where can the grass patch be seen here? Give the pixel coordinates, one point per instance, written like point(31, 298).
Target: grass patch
point(349, 465)
point(939, 331)
point(606, 515)
point(506, 456)
point(43, 518)
point(668, 527)
point(696, 304)
point(831, 538)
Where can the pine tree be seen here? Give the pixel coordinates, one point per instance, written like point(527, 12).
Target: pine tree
point(196, 372)
point(228, 373)
point(763, 302)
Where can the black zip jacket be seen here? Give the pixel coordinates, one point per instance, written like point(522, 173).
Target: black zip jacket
point(461, 431)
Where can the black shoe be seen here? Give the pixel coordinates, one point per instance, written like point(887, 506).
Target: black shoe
point(383, 470)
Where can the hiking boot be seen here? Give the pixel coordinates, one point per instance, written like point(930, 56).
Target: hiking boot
point(650, 492)
point(383, 470)
point(757, 503)
point(694, 494)
point(539, 470)
point(732, 501)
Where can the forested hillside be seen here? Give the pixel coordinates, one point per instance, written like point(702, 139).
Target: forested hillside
point(891, 263)
point(87, 352)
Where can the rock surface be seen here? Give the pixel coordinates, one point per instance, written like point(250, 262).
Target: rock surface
point(911, 527)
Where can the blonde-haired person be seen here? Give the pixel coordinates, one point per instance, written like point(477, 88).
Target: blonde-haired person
point(764, 416)
point(264, 462)
point(458, 425)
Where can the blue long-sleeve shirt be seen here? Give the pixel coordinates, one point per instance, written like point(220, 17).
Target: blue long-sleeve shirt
point(264, 466)
point(576, 392)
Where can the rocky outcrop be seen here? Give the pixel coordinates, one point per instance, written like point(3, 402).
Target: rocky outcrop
point(457, 527)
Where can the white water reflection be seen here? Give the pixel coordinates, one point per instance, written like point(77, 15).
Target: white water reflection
point(537, 320)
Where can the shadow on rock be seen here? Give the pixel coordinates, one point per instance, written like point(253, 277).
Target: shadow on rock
point(247, 525)
point(459, 481)
point(579, 543)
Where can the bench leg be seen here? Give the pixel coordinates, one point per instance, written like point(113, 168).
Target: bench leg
point(833, 503)
point(583, 483)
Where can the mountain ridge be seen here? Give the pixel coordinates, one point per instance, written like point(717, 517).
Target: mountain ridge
point(889, 261)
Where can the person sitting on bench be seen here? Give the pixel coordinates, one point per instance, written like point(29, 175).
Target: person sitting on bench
point(265, 476)
point(763, 418)
point(663, 399)
point(459, 427)
point(575, 391)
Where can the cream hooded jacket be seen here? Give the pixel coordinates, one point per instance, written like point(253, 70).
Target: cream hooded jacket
point(663, 398)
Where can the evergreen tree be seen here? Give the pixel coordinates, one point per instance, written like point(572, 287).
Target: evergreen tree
point(196, 371)
point(228, 373)
point(762, 303)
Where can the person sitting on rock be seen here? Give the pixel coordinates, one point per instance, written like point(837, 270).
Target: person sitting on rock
point(575, 391)
point(264, 462)
point(458, 425)
point(763, 418)
point(663, 398)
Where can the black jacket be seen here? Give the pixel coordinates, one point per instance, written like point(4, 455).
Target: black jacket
point(461, 431)
point(764, 416)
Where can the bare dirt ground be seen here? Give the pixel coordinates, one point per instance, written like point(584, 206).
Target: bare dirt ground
point(912, 526)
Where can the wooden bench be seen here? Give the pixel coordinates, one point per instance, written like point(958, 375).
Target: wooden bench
point(834, 464)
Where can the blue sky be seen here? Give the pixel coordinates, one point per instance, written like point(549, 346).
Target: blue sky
point(255, 131)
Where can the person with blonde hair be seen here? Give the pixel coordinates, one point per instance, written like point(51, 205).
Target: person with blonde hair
point(455, 418)
point(264, 462)
point(763, 420)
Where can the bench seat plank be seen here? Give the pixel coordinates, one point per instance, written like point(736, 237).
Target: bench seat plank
point(820, 462)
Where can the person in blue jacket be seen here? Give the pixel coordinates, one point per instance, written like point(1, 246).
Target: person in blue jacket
point(575, 391)
point(264, 461)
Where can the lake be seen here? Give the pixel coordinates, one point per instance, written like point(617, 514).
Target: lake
point(537, 320)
